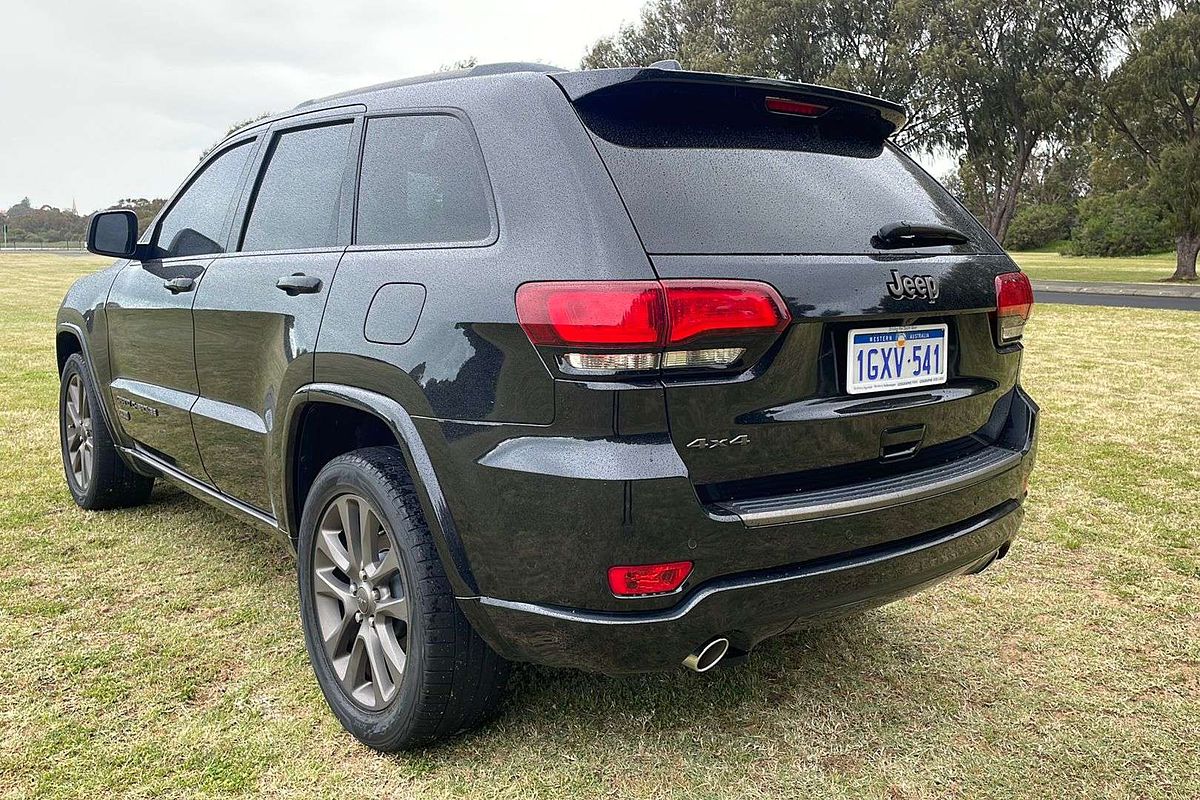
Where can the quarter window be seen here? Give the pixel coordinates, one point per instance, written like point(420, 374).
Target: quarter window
point(198, 223)
point(298, 199)
point(422, 183)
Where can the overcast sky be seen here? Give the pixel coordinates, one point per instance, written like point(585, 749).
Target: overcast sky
point(112, 99)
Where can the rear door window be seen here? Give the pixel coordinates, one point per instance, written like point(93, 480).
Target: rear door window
point(298, 199)
point(422, 182)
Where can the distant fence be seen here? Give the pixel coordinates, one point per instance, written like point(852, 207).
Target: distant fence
point(43, 246)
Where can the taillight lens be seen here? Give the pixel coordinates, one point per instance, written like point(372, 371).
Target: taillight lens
point(698, 309)
point(640, 326)
point(648, 579)
point(1014, 302)
point(592, 315)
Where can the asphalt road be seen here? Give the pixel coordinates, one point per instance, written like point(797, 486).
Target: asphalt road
point(1125, 301)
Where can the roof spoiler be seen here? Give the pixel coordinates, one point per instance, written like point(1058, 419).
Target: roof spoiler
point(587, 83)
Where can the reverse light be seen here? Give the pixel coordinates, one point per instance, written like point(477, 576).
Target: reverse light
point(798, 108)
point(640, 326)
point(1014, 303)
point(648, 579)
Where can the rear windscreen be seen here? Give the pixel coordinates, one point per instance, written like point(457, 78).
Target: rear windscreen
point(696, 180)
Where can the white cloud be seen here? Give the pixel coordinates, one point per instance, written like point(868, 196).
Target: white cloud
point(106, 100)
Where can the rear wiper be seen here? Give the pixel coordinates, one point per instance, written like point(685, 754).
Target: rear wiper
point(908, 234)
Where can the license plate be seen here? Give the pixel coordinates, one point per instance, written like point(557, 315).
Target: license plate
point(882, 359)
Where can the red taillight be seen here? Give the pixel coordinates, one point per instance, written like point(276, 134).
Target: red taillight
point(782, 105)
point(1014, 302)
point(645, 325)
point(712, 308)
point(592, 315)
point(648, 578)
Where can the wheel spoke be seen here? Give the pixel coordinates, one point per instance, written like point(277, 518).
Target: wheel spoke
point(327, 584)
point(351, 667)
point(352, 530)
point(393, 650)
point(389, 565)
point(329, 545)
point(87, 462)
point(368, 530)
point(382, 683)
point(393, 608)
point(334, 638)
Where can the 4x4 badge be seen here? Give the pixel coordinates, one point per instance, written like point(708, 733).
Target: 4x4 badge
point(913, 287)
point(709, 444)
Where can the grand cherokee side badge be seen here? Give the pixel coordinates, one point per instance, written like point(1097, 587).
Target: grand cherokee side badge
point(710, 444)
point(136, 406)
point(913, 287)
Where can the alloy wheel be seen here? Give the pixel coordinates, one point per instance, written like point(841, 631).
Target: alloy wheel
point(79, 433)
point(361, 605)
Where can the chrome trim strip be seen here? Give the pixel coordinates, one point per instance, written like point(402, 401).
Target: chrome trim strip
point(204, 491)
point(803, 512)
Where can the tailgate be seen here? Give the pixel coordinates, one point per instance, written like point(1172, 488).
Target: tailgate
point(797, 186)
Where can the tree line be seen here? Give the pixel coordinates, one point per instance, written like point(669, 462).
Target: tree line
point(1072, 123)
point(29, 225)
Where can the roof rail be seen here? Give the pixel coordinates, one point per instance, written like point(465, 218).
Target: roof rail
point(502, 68)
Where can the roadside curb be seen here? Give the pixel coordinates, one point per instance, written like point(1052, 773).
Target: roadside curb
point(1128, 289)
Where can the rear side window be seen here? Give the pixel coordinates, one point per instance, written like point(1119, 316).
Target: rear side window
point(422, 182)
point(298, 199)
point(719, 174)
point(198, 223)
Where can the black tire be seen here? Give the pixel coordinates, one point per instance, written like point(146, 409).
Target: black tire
point(106, 481)
point(451, 680)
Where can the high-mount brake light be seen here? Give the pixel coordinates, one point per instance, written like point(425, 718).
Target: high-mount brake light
point(607, 327)
point(797, 108)
point(1014, 303)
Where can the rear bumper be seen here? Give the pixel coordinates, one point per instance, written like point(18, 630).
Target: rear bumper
point(542, 553)
point(745, 608)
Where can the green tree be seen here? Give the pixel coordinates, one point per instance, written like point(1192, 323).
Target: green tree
point(233, 129)
point(1015, 86)
point(1151, 105)
point(871, 46)
point(145, 209)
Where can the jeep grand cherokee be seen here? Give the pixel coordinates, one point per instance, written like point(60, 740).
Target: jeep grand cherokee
point(616, 370)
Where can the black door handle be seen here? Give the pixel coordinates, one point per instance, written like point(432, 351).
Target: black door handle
point(298, 283)
point(177, 285)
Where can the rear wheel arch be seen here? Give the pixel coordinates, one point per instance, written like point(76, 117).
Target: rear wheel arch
point(325, 421)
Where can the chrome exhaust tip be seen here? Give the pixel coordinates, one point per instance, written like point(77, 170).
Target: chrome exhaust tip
point(708, 655)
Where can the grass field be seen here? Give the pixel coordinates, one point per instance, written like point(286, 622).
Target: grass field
point(157, 651)
point(1137, 269)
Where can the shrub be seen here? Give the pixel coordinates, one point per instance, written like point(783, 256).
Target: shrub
point(1120, 224)
point(1038, 225)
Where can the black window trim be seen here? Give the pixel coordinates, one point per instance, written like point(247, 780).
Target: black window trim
point(342, 115)
point(150, 238)
point(489, 193)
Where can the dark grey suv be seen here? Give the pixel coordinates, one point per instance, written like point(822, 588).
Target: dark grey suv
point(616, 370)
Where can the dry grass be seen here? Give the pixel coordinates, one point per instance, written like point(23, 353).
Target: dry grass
point(1136, 269)
point(157, 651)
